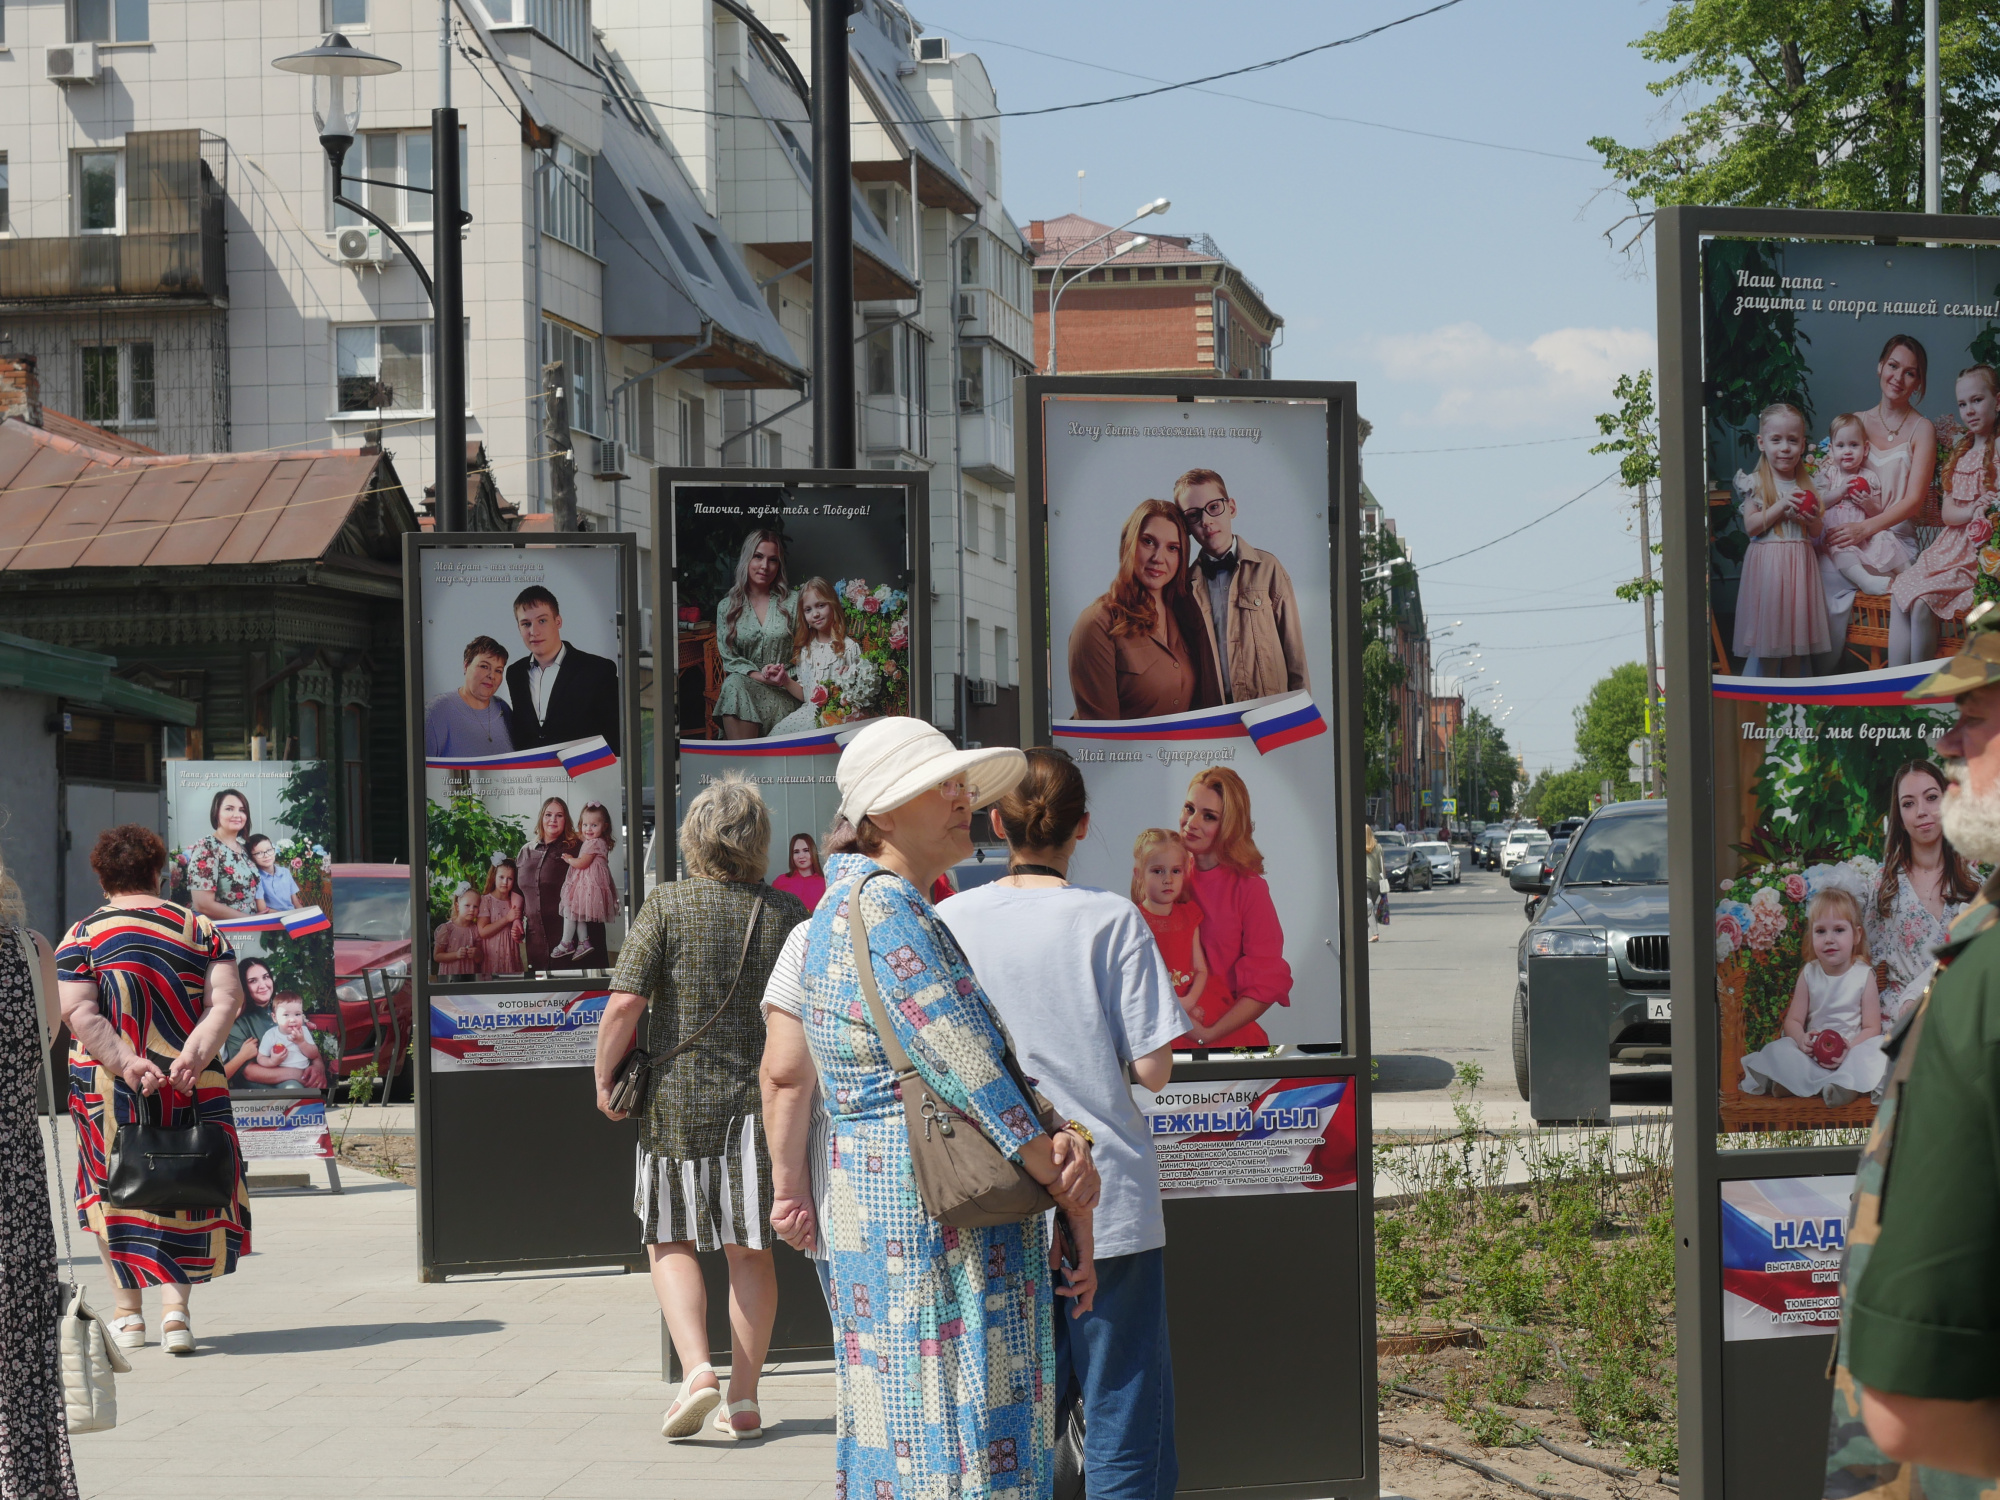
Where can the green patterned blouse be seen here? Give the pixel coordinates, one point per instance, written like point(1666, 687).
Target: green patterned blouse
point(681, 955)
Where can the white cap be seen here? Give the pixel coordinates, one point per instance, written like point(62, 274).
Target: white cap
point(892, 760)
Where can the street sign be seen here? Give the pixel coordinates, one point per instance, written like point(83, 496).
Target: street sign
point(1640, 754)
point(1451, 807)
point(1427, 799)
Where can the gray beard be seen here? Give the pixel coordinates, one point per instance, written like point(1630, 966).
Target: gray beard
point(1971, 823)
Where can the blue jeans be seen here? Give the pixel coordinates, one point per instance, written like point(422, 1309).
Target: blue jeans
point(1116, 1360)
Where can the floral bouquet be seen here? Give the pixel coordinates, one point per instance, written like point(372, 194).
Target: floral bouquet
point(878, 621)
point(838, 701)
point(1760, 924)
point(307, 862)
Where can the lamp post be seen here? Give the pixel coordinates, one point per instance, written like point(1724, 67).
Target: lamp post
point(337, 68)
point(1056, 283)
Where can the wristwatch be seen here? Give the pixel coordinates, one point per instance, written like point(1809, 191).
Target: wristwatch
point(1077, 1127)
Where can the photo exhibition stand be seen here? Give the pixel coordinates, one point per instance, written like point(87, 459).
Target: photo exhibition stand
point(1772, 321)
point(866, 534)
point(516, 1169)
point(1274, 1389)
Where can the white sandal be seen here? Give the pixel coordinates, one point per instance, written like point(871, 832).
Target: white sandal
point(128, 1331)
point(177, 1340)
point(691, 1408)
point(725, 1420)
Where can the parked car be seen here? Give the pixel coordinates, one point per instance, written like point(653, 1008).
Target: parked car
point(1403, 870)
point(371, 967)
point(1608, 899)
point(1522, 842)
point(1443, 860)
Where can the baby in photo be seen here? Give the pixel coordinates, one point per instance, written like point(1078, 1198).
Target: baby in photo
point(276, 890)
point(1832, 1041)
point(1160, 889)
point(289, 1043)
point(1853, 494)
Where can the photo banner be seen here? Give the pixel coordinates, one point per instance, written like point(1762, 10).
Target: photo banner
point(281, 1129)
point(798, 616)
point(1222, 1138)
point(1190, 617)
point(1782, 1239)
point(528, 794)
point(1851, 403)
point(483, 1033)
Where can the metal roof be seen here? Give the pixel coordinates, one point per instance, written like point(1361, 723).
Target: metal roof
point(85, 679)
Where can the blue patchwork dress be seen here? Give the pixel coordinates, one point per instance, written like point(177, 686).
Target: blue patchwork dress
point(943, 1341)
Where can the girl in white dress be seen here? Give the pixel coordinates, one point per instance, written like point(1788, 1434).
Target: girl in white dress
point(827, 656)
point(1835, 992)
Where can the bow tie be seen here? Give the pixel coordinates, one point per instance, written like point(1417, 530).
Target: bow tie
point(1210, 566)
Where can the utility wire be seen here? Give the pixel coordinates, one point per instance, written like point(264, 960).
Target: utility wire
point(1524, 526)
point(1553, 609)
point(1476, 447)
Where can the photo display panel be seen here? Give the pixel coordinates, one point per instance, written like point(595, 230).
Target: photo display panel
point(1850, 405)
point(1190, 673)
point(527, 787)
point(797, 618)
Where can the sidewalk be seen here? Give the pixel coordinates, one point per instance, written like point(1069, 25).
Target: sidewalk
point(326, 1369)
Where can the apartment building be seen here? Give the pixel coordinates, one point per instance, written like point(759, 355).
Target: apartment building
point(638, 175)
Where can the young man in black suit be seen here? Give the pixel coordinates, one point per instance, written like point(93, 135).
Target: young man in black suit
point(559, 694)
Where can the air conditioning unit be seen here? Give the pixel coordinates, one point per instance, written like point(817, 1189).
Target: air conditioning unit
point(968, 306)
point(610, 461)
point(364, 247)
point(76, 63)
point(982, 691)
point(968, 395)
point(933, 49)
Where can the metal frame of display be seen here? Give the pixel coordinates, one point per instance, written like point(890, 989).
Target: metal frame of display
point(516, 1171)
point(1779, 1386)
point(803, 1330)
point(1290, 1437)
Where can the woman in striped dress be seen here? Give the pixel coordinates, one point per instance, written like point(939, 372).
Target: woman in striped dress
point(149, 990)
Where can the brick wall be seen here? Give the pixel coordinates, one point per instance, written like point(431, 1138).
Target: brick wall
point(1114, 327)
point(20, 389)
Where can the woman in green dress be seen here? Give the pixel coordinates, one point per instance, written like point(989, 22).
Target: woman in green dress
point(754, 628)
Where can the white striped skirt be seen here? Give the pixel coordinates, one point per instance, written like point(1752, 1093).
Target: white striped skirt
point(711, 1200)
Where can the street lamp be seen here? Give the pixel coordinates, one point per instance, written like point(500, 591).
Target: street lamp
point(1057, 285)
point(337, 68)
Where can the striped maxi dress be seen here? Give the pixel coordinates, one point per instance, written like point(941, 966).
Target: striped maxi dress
point(149, 964)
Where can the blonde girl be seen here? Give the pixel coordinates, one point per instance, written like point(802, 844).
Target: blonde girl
point(1835, 993)
point(1938, 586)
point(822, 652)
point(1780, 605)
point(455, 944)
point(588, 892)
point(1164, 895)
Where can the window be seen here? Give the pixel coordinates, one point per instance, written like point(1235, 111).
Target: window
point(992, 148)
point(1000, 533)
point(968, 260)
point(583, 370)
point(968, 534)
point(564, 22)
point(6, 224)
point(383, 367)
point(566, 196)
point(1002, 662)
point(387, 158)
point(111, 21)
point(639, 420)
point(882, 362)
point(971, 378)
point(689, 414)
point(353, 784)
point(118, 385)
point(972, 648)
point(341, 13)
point(309, 747)
point(100, 192)
point(774, 448)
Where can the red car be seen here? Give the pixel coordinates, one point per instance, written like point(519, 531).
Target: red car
point(371, 962)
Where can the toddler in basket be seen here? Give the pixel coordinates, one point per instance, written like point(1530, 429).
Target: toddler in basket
point(588, 892)
point(1832, 1041)
point(288, 1043)
point(1853, 493)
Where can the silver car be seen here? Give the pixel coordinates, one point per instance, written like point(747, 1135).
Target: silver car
point(1443, 860)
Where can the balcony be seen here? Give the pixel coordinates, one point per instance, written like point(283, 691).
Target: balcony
point(986, 444)
point(170, 253)
point(984, 314)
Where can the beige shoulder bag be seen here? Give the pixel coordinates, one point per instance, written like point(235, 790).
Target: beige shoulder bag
point(962, 1177)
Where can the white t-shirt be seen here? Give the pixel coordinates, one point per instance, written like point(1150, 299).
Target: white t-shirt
point(276, 1050)
point(785, 991)
point(1080, 983)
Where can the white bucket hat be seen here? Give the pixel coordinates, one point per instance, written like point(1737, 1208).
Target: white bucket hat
point(892, 760)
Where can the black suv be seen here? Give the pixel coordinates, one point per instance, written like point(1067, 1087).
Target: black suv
point(1609, 898)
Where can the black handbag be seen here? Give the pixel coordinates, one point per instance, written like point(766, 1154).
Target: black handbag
point(157, 1167)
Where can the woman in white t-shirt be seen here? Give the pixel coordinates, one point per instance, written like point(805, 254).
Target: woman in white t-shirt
point(1033, 939)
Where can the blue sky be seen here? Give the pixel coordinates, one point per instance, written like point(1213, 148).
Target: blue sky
point(1470, 292)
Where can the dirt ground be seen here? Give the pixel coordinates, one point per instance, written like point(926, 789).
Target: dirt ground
point(1422, 1476)
point(392, 1156)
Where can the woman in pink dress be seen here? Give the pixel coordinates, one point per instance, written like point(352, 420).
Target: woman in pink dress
point(806, 878)
point(1240, 932)
point(588, 892)
point(1938, 585)
point(1780, 604)
point(501, 912)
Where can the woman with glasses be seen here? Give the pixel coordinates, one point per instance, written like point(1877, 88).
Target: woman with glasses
point(1138, 651)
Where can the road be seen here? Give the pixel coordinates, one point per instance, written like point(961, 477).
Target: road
point(1441, 990)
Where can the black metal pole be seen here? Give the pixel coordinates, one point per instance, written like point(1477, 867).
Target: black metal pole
point(448, 273)
point(833, 242)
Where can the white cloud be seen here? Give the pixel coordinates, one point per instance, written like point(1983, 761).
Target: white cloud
point(1476, 380)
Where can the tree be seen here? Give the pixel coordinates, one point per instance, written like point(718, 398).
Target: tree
point(1563, 794)
point(1607, 722)
point(1816, 104)
point(1485, 768)
point(1633, 433)
point(1386, 571)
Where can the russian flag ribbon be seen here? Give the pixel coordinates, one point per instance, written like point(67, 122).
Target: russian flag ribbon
point(1882, 688)
point(593, 754)
point(1269, 723)
point(302, 921)
point(827, 741)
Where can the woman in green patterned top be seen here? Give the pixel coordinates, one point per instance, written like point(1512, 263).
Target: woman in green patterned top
point(704, 1172)
point(754, 626)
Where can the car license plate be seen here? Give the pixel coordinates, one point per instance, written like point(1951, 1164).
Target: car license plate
point(1659, 1010)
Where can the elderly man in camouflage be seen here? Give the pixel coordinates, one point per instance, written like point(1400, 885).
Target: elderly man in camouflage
point(1916, 1406)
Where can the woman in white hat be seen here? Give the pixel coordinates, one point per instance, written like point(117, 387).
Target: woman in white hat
point(957, 1323)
